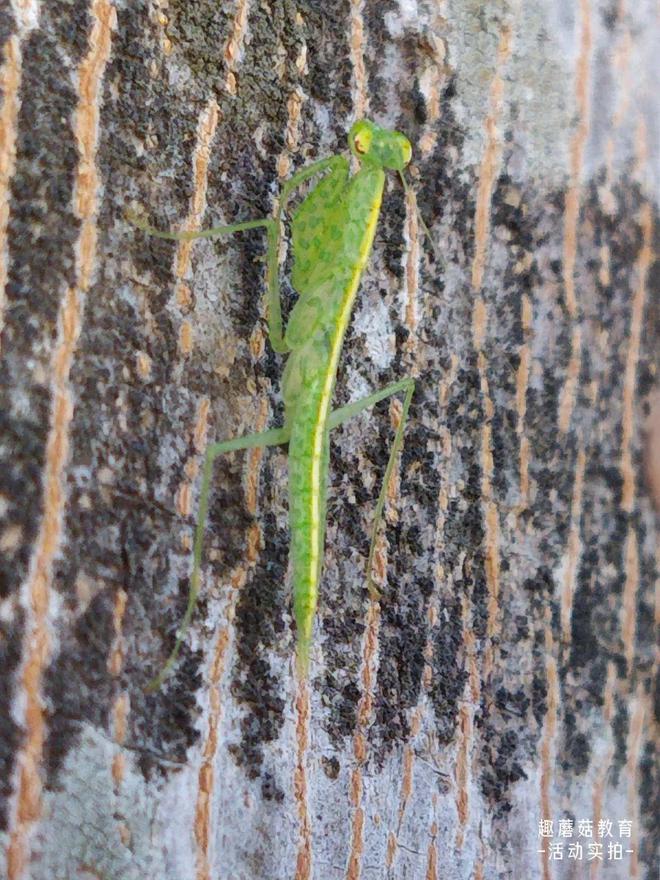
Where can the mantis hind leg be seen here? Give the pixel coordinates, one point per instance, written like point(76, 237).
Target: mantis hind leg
point(347, 412)
point(274, 437)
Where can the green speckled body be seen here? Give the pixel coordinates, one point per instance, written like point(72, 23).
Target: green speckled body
point(333, 231)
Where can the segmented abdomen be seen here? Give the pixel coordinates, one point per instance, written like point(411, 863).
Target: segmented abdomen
point(339, 238)
point(308, 483)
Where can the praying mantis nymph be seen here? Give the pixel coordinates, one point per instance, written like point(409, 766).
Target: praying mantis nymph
point(332, 233)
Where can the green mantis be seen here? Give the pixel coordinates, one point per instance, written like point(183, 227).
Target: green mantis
point(332, 233)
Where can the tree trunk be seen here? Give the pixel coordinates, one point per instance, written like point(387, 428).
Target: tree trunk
point(504, 675)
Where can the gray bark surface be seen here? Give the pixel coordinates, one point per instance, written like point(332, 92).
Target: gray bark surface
point(506, 674)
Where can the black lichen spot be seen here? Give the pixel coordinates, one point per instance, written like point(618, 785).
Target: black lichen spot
point(40, 234)
point(449, 674)
point(400, 668)
point(542, 584)
point(377, 38)
point(11, 642)
point(501, 771)
point(330, 766)
point(69, 22)
point(330, 77)
point(539, 697)
point(199, 31)
point(584, 645)
point(620, 727)
point(576, 751)
point(83, 660)
point(270, 790)
point(7, 24)
point(341, 698)
point(259, 628)
point(610, 13)
point(163, 724)
point(649, 800)
point(447, 191)
point(394, 215)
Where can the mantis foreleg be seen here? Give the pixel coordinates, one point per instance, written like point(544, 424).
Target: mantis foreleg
point(273, 229)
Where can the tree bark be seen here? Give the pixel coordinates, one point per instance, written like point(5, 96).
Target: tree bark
point(505, 675)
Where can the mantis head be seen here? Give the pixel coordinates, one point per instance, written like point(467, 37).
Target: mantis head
point(386, 149)
point(379, 146)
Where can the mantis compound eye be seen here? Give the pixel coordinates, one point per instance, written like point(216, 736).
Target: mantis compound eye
point(359, 146)
point(361, 137)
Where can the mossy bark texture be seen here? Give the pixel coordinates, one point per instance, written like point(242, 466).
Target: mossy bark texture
point(504, 674)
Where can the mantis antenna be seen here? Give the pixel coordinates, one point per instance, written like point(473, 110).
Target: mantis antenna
point(408, 189)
